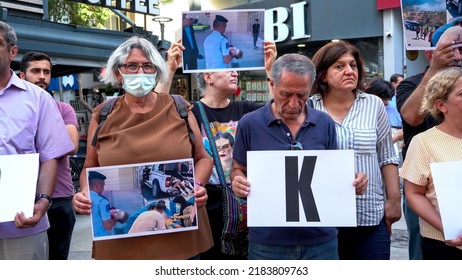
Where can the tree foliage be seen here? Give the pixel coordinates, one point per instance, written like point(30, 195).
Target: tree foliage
point(78, 13)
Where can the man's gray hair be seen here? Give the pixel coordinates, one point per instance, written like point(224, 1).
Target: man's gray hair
point(119, 56)
point(297, 64)
point(9, 35)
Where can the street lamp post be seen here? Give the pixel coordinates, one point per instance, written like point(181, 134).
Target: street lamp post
point(162, 44)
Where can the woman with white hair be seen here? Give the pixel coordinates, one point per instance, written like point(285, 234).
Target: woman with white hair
point(145, 126)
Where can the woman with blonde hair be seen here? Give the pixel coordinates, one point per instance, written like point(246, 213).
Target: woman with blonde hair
point(441, 143)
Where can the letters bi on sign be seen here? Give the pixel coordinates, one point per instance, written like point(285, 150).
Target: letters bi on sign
point(301, 188)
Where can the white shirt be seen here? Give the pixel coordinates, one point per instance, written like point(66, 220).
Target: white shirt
point(215, 47)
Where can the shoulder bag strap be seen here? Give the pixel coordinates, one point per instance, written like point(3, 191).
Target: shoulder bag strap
point(213, 146)
point(105, 110)
point(183, 112)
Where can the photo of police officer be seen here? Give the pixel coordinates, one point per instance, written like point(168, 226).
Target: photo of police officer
point(224, 38)
point(103, 216)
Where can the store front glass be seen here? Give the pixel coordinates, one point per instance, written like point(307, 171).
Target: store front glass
point(254, 86)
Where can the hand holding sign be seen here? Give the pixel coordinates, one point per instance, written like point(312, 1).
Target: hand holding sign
point(299, 188)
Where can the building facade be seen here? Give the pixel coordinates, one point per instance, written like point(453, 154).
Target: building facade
point(374, 26)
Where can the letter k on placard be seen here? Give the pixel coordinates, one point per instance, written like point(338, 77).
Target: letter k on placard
point(300, 185)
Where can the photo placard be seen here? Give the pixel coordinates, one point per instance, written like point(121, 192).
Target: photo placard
point(142, 199)
point(223, 40)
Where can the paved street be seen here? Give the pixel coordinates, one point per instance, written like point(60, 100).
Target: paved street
point(81, 240)
point(418, 44)
point(399, 241)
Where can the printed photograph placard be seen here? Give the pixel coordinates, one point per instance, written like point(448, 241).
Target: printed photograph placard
point(424, 18)
point(223, 40)
point(142, 199)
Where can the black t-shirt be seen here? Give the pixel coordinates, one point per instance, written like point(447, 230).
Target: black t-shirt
point(224, 121)
point(233, 112)
point(404, 90)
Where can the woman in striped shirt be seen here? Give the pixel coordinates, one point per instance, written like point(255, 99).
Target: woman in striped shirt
point(442, 143)
point(362, 125)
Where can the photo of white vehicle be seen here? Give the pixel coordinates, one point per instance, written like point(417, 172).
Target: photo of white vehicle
point(142, 199)
point(171, 179)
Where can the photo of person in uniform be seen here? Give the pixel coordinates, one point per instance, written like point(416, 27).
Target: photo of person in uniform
point(104, 217)
point(221, 41)
point(216, 46)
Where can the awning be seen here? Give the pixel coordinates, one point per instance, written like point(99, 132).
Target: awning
point(72, 49)
point(62, 66)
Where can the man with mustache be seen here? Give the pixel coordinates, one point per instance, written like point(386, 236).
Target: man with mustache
point(287, 118)
point(36, 68)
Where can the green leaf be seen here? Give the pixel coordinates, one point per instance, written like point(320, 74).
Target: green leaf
point(66, 11)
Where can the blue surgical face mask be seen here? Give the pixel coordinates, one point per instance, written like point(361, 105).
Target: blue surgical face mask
point(139, 84)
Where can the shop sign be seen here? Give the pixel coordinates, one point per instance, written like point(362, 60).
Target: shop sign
point(276, 19)
point(148, 7)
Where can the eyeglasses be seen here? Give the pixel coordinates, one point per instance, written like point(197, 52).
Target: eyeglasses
point(133, 68)
point(296, 146)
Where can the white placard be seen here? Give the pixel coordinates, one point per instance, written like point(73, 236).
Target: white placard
point(446, 178)
point(331, 185)
point(18, 183)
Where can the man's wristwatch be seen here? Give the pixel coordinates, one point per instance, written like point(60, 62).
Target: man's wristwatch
point(44, 195)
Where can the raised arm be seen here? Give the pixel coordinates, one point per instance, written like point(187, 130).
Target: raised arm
point(174, 58)
point(271, 54)
point(441, 58)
